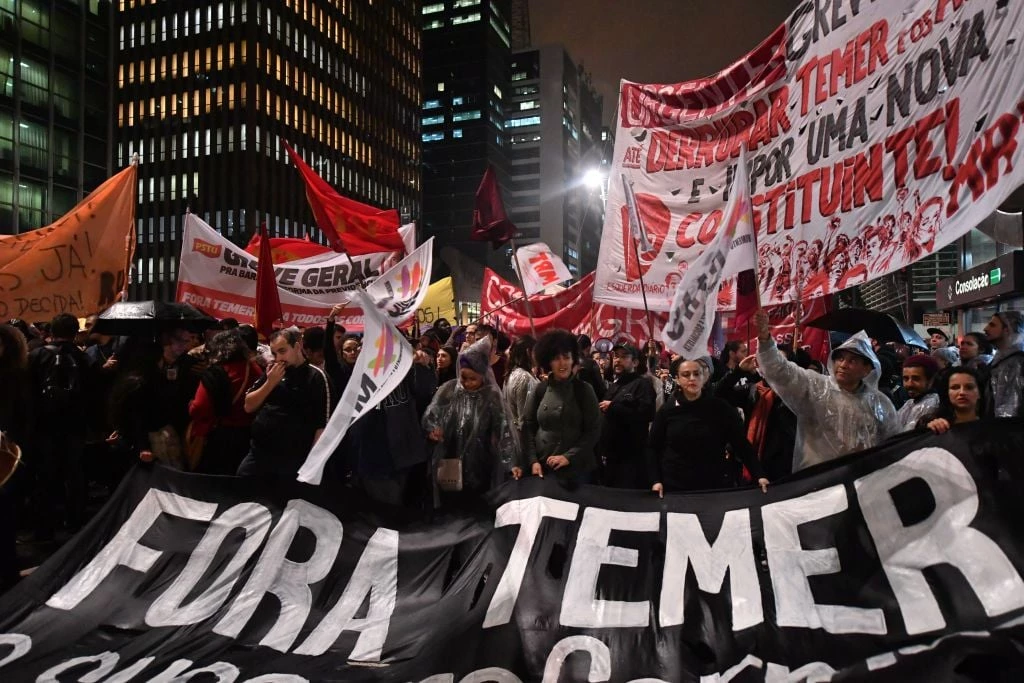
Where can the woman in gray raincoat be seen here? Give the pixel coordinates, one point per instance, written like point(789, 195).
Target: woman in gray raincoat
point(469, 422)
point(837, 413)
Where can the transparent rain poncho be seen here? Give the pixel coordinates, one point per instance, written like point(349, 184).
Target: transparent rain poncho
point(1008, 380)
point(476, 427)
point(830, 421)
point(911, 412)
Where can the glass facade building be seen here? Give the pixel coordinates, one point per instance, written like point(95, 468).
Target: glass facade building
point(208, 89)
point(55, 123)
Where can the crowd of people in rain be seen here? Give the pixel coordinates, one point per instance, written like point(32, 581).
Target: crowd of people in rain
point(475, 410)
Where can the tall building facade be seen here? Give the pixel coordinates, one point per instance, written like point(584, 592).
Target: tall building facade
point(55, 124)
point(208, 89)
point(466, 55)
point(555, 144)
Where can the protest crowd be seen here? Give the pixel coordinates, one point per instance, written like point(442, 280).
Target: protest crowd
point(475, 410)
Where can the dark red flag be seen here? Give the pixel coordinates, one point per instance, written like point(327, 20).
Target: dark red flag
point(268, 301)
point(350, 226)
point(489, 219)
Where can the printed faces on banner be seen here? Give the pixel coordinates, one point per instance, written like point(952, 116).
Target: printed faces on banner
point(872, 145)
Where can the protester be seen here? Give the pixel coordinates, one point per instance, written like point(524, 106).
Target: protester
point(588, 370)
point(693, 435)
point(937, 338)
point(385, 449)
point(292, 403)
point(561, 417)
point(627, 410)
point(15, 423)
point(339, 368)
point(443, 328)
point(975, 350)
point(472, 431)
point(946, 357)
point(837, 413)
point(314, 341)
point(218, 436)
point(447, 358)
point(732, 354)
point(961, 398)
point(918, 374)
point(499, 364)
point(62, 379)
point(1005, 331)
point(770, 424)
point(520, 380)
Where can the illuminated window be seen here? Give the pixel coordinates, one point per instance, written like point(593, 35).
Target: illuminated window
point(519, 123)
point(457, 101)
point(457, 133)
point(464, 3)
point(433, 137)
point(466, 19)
point(531, 104)
point(435, 23)
point(497, 91)
point(432, 104)
point(466, 115)
point(432, 9)
point(433, 120)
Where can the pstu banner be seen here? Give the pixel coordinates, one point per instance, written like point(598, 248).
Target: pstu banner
point(878, 133)
point(902, 563)
point(219, 278)
point(78, 264)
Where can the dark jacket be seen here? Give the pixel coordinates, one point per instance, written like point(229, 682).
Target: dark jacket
point(688, 444)
point(740, 389)
point(70, 416)
point(590, 373)
point(625, 423)
point(563, 422)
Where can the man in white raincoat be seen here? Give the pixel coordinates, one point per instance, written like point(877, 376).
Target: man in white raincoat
point(836, 413)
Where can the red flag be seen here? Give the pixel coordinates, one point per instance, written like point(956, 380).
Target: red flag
point(489, 219)
point(285, 249)
point(268, 302)
point(350, 226)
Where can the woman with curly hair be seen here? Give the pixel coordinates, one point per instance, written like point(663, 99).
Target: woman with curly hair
point(218, 436)
point(561, 420)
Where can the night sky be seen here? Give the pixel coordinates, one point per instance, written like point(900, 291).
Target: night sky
point(654, 41)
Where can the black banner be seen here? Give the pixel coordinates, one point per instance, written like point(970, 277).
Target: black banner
point(901, 563)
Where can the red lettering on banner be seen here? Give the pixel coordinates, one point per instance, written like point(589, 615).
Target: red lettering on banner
point(925, 162)
point(981, 169)
point(682, 239)
point(820, 77)
point(656, 220)
point(544, 269)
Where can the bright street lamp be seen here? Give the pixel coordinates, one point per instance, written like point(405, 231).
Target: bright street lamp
point(593, 178)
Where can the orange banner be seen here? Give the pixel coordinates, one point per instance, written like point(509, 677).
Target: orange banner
point(76, 265)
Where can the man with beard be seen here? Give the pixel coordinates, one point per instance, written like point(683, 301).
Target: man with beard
point(626, 414)
point(1005, 331)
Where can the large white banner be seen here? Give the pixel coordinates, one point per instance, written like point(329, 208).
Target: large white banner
point(402, 290)
point(219, 278)
point(539, 268)
point(382, 364)
point(731, 252)
point(878, 133)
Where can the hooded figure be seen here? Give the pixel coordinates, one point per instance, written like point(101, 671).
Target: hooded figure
point(831, 421)
point(468, 420)
point(1006, 332)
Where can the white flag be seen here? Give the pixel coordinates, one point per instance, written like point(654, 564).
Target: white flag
point(539, 268)
point(636, 227)
point(731, 252)
point(382, 364)
point(402, 289)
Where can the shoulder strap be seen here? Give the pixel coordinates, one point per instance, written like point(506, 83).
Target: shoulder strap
point(327, 390)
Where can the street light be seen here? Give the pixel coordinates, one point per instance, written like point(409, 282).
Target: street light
point(594, 181)
point(593, 178)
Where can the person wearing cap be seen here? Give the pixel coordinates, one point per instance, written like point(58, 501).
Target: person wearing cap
point(937, 338)
point(836, 413)
point(918, 377)
point(1006, 333)
point(626, 413)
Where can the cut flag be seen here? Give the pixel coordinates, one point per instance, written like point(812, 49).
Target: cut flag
point(268, 300)
point(350, 226)
point(489, 219)
point(285, 249)
point(731, 252)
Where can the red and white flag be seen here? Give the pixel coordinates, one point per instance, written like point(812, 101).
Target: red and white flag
point(731, 252)
point(539, 268)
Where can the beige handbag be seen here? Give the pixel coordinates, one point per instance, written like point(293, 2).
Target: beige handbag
point(449, 474)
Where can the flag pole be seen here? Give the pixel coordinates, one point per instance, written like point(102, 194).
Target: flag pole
point(519, 274)
point(643, 288)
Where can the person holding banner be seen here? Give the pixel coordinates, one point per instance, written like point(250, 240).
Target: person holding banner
point(470, 425)
point(292, 403)
point(836, 413)
point(691, 434)
point(627, 410)
point(961, 397)
point(561, 417)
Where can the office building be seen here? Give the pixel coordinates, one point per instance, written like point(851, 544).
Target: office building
point(207, 90)
point(554, 135)
point(55, 124)
point(466, 55)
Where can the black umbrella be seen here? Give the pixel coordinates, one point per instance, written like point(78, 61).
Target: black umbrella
point(880, 326)
point(151, 317)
